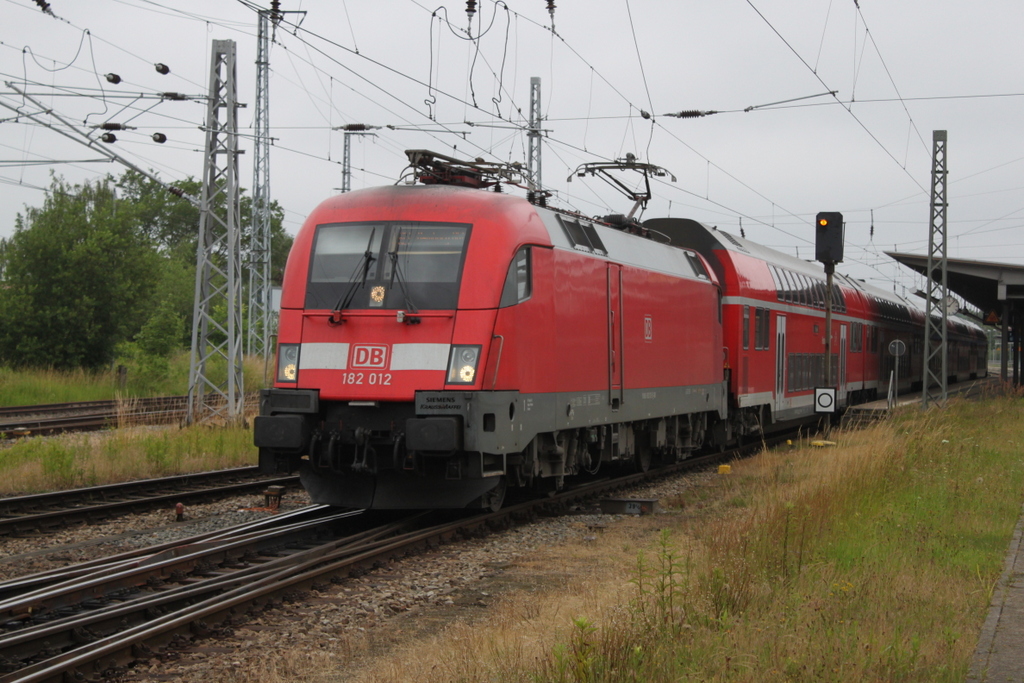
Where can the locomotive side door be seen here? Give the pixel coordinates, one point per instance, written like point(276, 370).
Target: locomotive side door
point(780, 363)
point(615, 350)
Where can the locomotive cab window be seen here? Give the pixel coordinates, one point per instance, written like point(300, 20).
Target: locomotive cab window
point(518, 284)
point(399, 265)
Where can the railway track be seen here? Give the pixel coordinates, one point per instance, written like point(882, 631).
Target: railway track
point(86, 622)
point(45, 511)
point(54, 418)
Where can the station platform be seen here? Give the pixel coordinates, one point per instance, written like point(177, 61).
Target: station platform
point(999, 656)
point(877, 410)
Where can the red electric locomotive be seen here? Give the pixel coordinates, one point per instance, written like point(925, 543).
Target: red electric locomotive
point(439, 344)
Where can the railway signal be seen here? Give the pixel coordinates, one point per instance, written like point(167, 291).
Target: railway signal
point(828, 248)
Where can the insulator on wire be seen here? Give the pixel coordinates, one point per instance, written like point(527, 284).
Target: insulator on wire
point(551, 11)
point(113, 78)
point(159, 137)
point(45, 7)
point(172, 96)
point(176, 191)
point(108, 138)
point(470, 11)
point(162, 68)
point(691, 114)
point(112, 126)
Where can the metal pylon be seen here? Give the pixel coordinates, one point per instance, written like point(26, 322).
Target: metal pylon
point(935, 357)
point(260, 305)
point(533, 166)
point(217, 313)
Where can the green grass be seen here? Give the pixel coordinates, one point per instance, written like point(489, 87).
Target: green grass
point(872, 561)
point(33, 387)
point(77, 460)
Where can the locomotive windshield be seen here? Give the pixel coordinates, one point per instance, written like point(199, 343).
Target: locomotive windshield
point(411, 265)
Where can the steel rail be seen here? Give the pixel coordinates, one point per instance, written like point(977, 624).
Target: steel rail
point(23, 514)
point(23, 584)
point(303, 571)
point(61, 629)
point(53, 418)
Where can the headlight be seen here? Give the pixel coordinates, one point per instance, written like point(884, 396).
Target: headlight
point(287, 362)
point(462, 364)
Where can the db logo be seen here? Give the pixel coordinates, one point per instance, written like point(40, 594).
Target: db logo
point(648, 328)
point(369, 356)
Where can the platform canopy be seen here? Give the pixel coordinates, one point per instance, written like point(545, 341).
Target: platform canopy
point(997, 289)
point(985, 284)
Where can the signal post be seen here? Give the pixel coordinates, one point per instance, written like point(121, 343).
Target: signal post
point(828, 249)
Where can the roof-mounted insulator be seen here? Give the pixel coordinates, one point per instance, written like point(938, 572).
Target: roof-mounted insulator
point(691, 114)
point(162, 68)
point(113, 78)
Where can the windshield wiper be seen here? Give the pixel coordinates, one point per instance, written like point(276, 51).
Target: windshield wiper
point(396, 274)
point(365, 262)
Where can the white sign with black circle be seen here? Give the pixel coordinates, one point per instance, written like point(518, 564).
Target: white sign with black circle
point(824, 399)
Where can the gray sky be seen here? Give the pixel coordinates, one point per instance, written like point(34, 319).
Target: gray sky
point(956, 66)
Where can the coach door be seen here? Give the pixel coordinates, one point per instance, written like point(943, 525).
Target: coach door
point(841, 386)
point(780, 363)
point(615, 350)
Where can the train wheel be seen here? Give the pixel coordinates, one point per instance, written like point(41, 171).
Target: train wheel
point(493, 499)
point(642, 459)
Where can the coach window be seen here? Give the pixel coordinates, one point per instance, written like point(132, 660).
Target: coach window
point(787, 292)
point(746, 327)
point(775, 280)
point(766, 316)
point(518, 284)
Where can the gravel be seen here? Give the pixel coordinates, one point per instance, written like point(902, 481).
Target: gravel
point(446, 581)
point(21, 556)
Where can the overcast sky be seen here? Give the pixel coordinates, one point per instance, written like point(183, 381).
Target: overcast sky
point(900, 69)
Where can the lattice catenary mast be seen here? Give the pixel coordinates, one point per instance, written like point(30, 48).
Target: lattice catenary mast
point(937, 291)
point(217, 312)
point(260, 305)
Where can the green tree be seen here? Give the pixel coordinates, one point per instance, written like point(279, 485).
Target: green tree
point(78, 276)
point(95, 265)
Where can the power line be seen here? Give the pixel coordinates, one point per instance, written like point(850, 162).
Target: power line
point(848, 109)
